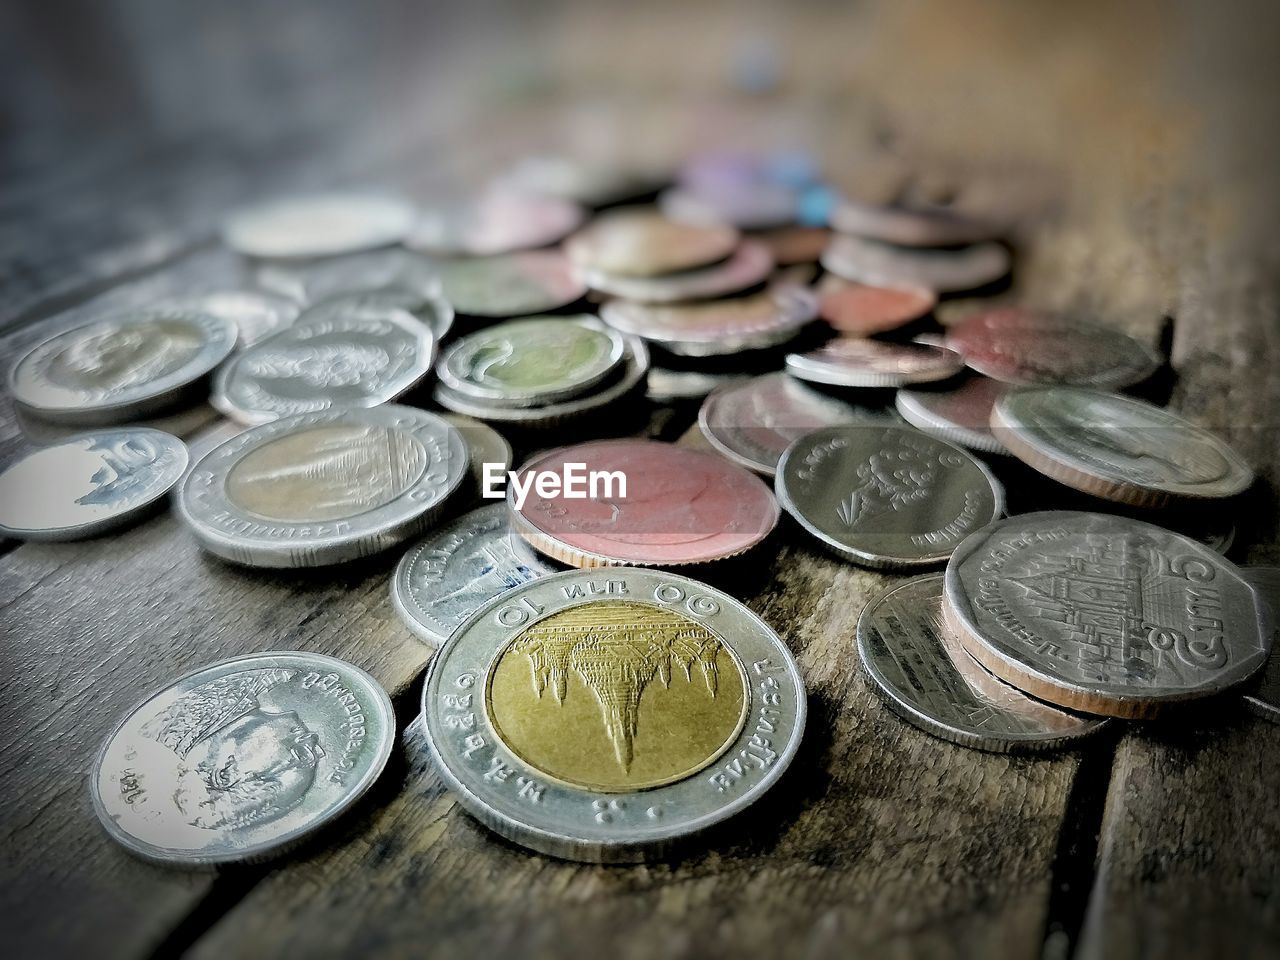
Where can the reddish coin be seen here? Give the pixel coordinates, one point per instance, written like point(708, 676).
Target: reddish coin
point(854, 362)
point(640, 242)
point(680, 506)
point(791, 245)
point(961, 414)
point(909, 227)
point(863, 310)
point(499, 221)
point(748, 266)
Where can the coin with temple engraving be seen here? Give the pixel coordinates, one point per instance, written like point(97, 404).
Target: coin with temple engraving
point(1103, 614)
point(318, 225)
point(241, 760)
point(639, 242)
point(928, 678)
point(607, 716)
point(1263, 697)
point(512, 285)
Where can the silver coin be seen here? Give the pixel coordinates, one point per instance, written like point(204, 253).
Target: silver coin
point(1263, 697)
point(445, 578)
point(316, 280)
point(909, 227)
point(943, 271)
point(243, 759)
point(859, 362)
point(484, 445)
point(607, 716)
point(1102, 614)
point(89, 484)
point(886, 496)
point(928, 678)
point(322, 488)
point(593, 184)
point(318, 225)
point(430, 309)
point(961, 415)
point(668, 386)
point(513, 285)
point(1116, 447)
point(495, 222)
point(121, 367)
point(255, 313)
point(344, 356)
point(749, 265)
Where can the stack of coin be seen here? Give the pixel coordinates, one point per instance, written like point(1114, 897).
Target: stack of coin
point(864, 362)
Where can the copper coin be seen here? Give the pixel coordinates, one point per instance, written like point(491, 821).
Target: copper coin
point(909, 227)
point(961, 414)
point(511, 285)
point(884, 265)
point(748, 266)
point(855, 362)
point(498, 221)
point(862, 310)
point(639, 242)
point(1017, 345)
point(681, 506)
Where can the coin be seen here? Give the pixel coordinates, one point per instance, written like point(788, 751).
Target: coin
point(514, 285)
point(1021, 346)
point(429, 308)
point(243, 759)
point(319, 225)
point(255, 313)
point(484, 445)
point(673, 506)
point(607, 715)
point(856, 362)
point(348, 355)
point(943, 271)
point(445, 578)
point(749, 265)
point(496, 221)
point(666, 385)
point(791, 246)
point(855, 308)
point(1263, 697)
point(637, 242)
point(747, 206)
point(961, 414)
point(537, 360)
point(1102, 614)
point(322, 488)
point(928, 679)
point(753, 421)
point(88, 484)
point(121, 367)
point(886, 496)
point(593, 184)
point(1116, 447)
point(908, 227)
point(375, 270)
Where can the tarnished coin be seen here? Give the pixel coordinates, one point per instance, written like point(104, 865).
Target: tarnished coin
point(944, 271)
point(445, 578)
point(255, 313)
point(753, 421)
point(748, 206)
point(121, 367)
point(319, 225)
point(961, 414)
point(1021, 346)
point(1116, 447)
point(340, 355)
point(791, 246)
point(243, 759)
point(88, 484)
point(321, 488)
point(748, 266)
point(642, 503)
point(1263, 697)
point(607, 715)
point(1102, 614)
point(909, 227)
point(886, 496)
point(484, 445)
point(860, 310)
point(928, 678)
point(514, 285)
point(639, 242)
point(497, 221)
point(372, 271)
point(856, 362)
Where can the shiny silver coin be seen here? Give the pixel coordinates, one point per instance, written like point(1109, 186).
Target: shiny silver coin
point(89, 484)
point(666, 385)
point(339, 355)
point(928, 678)
point(514, 285)
point(1102, 614)
point(1263, 697)
point(120, 368)
point(748, 266)
point(460, 567)
point(961, 414)
point(374, 270)
point(319, 225)
point(322, 488)
point(241, 760)
point(485, 445)
point(1116, 447)
point(430, 309)
point(886, 496)
point(942, 271)
point(858, 362)
point(909, 227)
point(256, 313)
point(518, 718)
point(498, 221)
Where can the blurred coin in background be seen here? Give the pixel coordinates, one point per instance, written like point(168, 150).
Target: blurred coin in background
point(318, 225)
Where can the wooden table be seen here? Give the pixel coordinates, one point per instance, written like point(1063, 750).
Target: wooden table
point(1134, 146)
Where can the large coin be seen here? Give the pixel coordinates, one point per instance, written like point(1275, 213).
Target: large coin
point(515, 285)
point(855, 362)
point(121, 367)
point(320, 225)
point(497, 221)
point(961, 414)
point(606, 715)
point(89, 484)
point(1102, 614)
point(943, 271)
point(886, 496)
point(909, 227)
point(444, 579)
point(1263, 698)
point(859, 310)
point(643, 243)
point(243, 759)
point(1117, 447)
point(928, 678)
point(256, 313)
point(375, 270)
point(321, 488)
point(748, 266)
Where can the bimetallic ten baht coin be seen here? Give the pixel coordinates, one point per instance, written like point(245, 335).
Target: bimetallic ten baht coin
point(319, 225)
point(89, 484)
point(243, 759)
point(321, 488)
point(961, 414)
point(1103, 614)
point(608, 715)
point(639, 242)
point(1263, 697)
point(310, 281)
point(511, 285)
point(748, 266)
point(256, 313)
point(886, 496)
point(858, 362)
point(943, 271)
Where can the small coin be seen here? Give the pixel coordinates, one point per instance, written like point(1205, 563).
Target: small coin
point(1116, 447)
point(521, 718)
point(1021, 346)
point(651, 504)
point(484, 445)
point(908, 227)
point(243, 759)
point(445, 578)
point(886, 496)
point(121, 367)
point(256, 313)
point(792, 246)
point(638, 242)
point(747, 206)
point(961, 414)
point(319, 225)
point(1102, 614)
point(747, 266)
point(338, 354)
point(943, 271)
point(322, 488)
point(1263, 697)
point(497, 221)
point(753, 421)
point(860, 310)
point(88, 484)
point(372, 271)
point(514, 285)
point(928, 679)
point(856, 362)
